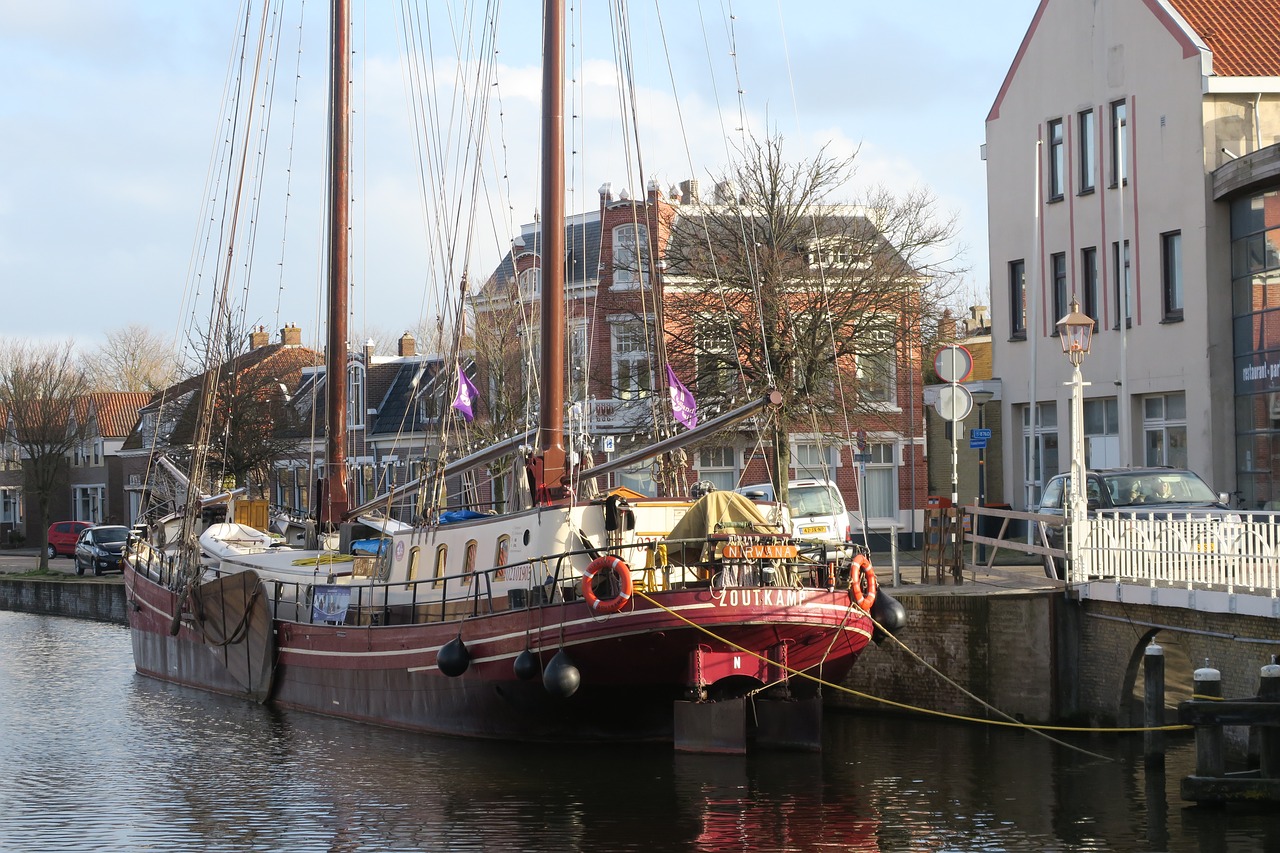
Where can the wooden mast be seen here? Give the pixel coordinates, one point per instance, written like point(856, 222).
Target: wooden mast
point(333, 507)
point(549, 468)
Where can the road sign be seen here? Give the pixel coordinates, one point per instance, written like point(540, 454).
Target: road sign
point(953, 364)
point(977, 442)
point(954, 402)
point(862, 457)
point(983, 433)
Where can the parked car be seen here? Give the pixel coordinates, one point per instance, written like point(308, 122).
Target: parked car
point(99, 549)
point(63, 536)
point(1153, 492)
point(817, 510)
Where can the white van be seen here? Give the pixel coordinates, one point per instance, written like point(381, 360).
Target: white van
point(817, 510)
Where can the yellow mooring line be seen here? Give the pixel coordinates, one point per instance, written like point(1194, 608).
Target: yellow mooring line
point(1008, 722)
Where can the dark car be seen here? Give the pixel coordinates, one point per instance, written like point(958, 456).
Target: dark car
point(63, 536)
point(1153, 492)
point(99, 549)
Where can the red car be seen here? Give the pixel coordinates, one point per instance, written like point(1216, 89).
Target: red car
point(63, 536)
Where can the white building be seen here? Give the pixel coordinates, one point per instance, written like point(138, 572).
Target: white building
point(1106, 182)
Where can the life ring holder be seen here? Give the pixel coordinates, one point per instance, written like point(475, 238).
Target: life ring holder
point(863, 585)
point(610, 563)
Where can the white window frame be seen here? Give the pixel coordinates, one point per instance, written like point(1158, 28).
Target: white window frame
point(1169, 431)
point(1035, 449)
point(719, 464)
point(884, 457)
point(886, 388)
point(89, 502)
point(630, 242)
point(629, 348)
point(814, 460)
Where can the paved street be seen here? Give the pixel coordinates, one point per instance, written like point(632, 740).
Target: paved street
point(28, 560)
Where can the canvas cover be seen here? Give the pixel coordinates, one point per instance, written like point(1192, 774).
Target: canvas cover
point(717, 512)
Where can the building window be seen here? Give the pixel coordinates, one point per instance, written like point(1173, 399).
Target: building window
point(355, 396)
point(813, 460)
point(1089, 282)
point(1057, 162)
point(10, 505)
point(1119, 143)
point(630, 255)
point(577, 358)
point(716, 465)
point(1164, 429)
point(529, 284)
point(1039, 449)
point(881, 484)
point(638, 478)
point(1088, 152)
point(1018, 300)
point(877, 371)
point(1101, 433)
point(88, 503)
point(1058, 265)
point(1124, 284)
point(1171, 274)
point(631, 373)
point(717, 372)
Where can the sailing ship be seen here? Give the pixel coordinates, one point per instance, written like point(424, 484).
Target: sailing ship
point(693, 620)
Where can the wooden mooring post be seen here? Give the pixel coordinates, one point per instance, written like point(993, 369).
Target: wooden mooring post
point(1153, 702)
point(1211, 783)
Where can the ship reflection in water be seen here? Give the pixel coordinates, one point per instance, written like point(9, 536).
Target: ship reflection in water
point(98, 758)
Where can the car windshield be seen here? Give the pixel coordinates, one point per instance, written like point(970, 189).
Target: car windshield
point(111, 534)
point(813, 500)
point(1159, 487)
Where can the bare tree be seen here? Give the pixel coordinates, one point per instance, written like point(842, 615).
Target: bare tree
point(133, 358)
point(776, 285)
point(38, 382)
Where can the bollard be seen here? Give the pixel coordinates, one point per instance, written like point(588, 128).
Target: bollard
point(1269, 736)
point(1209, 739)
point(1153, 701)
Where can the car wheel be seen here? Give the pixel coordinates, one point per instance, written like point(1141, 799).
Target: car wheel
point(79, 568)
point(53, 552)
point(97, 570)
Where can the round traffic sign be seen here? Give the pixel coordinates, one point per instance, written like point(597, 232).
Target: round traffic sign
point(954, 402)
point(953, 363)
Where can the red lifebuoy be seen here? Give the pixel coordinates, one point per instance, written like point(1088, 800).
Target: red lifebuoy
point(615, 565)
point(863, 585)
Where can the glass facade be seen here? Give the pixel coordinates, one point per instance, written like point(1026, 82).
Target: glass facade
point(1255, 274)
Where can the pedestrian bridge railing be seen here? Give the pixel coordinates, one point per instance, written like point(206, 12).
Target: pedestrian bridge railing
point(1235, 552)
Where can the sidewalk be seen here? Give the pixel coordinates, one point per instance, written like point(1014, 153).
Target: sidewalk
point(20, 561)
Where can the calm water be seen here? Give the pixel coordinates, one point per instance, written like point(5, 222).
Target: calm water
point(98, 758)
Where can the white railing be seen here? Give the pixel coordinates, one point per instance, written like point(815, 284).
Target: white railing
point(1228, 551)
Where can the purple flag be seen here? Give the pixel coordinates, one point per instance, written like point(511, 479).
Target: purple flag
point(683, 406)
point(467, 395)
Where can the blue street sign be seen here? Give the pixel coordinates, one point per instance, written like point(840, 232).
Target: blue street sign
point(977, 442)
point(862, 457)
point(984, 434)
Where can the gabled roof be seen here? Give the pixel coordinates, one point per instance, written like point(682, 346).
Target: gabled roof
point(582, 261)
point(1244, 35)
point(117, 411)
point(181, 401)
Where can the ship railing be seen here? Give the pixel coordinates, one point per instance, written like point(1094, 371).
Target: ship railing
point(551, 581)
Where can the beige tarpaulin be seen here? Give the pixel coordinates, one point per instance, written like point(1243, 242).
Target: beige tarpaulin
point(717, 512)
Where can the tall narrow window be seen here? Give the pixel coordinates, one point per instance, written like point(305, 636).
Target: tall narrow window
point(881, 483)
point(1119, 143)
point(1164, 430)
point(877, 370)
point(1057, 161)
point(1171, 274)
point(1088, 151)
point(1058, 263)
point(630, 255)
point(442, 559)
point(631, 373)
point(1124, 284)
point(355, 396)
point(1089, 281)
point(578, 359)
point(411, 573)
point(1018, 300)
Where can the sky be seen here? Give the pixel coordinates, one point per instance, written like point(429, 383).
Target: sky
point(112, 124)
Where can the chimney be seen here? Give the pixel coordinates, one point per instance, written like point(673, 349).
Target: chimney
point(606, 192)
point(259, 337)
point(652, 191)
point(291, 336)
point(368, 352)
point(724, 192)
point(407, 347)
point(947, 327)
point(689, 191)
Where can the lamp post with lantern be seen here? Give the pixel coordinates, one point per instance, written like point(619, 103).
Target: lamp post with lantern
point(1076, 334)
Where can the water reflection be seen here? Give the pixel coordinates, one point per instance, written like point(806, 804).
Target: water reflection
point(101, 759)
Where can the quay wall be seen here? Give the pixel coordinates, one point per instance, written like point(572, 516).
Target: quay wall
point(997, 647)
point(104, 602)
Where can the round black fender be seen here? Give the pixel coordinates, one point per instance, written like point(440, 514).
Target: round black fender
point(453, 657)
point(561, 678)
point(889, 613)
point(526, 666)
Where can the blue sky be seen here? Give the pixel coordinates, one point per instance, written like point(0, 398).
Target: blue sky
point(109, 121)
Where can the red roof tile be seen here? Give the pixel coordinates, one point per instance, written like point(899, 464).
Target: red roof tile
point(1244, 35)
point(117, 411)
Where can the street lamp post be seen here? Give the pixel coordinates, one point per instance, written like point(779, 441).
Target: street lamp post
point(1076, 333)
